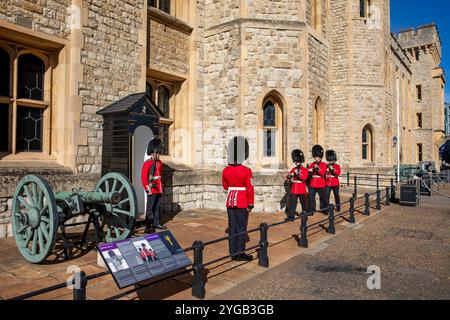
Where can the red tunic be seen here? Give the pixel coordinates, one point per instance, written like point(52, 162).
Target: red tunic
point(332, 178)
point(156, 187)
point(318, 175)
point(298, 183)
point(237, 180)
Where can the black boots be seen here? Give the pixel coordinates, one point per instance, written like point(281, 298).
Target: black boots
point(243, 257)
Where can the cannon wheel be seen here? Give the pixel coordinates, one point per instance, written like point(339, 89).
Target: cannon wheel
point(118, 219)
point(34, 218)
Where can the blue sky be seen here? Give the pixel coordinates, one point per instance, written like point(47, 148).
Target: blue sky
point(413, 13)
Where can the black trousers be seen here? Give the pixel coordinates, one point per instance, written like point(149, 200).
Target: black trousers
point(292, 204)
point(337, 199)
point(237, 223)
point(312, 199)
point(152, 215)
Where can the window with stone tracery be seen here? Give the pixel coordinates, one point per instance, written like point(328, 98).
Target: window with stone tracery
point(367, 143)
point(24, 112)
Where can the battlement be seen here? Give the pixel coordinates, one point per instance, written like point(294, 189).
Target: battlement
point(424, 35)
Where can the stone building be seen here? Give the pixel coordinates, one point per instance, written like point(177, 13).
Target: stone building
point(285, 73)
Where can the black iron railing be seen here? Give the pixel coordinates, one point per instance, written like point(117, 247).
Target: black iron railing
point(383, 195)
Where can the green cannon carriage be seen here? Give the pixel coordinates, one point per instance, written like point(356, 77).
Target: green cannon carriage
point(38, 213)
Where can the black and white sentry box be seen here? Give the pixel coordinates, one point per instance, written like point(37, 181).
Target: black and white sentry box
point(134, 260)
point(409, 194)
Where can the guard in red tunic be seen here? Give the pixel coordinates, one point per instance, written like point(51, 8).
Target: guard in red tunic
point(332, 178)
point(237, 180)
point(151, 181)
point(317, 170)
point(298, 176)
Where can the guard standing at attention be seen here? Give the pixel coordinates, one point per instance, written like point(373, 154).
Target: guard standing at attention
point(332, 178)
point(151, 180)
point(237, 180)
point(317, 169)
point(298, 176)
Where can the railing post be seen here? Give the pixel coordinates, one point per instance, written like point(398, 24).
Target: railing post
point(352, 211)
point(378, 207)
point(378, 181)
point(348, 179)
point(331, 228)
point(387, 202)
point(263, 259)
point(392, 191)
point(355, 191)
point(303, 230)
point(79, 289)
point(198, 285)
point(366, 205)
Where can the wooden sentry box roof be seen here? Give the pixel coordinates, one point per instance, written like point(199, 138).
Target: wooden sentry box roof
point(133, 103)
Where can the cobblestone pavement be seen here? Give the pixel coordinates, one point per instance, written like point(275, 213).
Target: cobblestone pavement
point(411, 245)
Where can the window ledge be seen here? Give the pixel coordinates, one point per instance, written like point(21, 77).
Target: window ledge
point(31, 166)
point(165, 18)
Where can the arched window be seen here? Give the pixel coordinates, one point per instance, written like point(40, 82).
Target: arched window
point(4, 73)
point(364, 8)
point(318, 120)
point(367, 143)
point(4, 107)
point(31, 77)
point(272, 128)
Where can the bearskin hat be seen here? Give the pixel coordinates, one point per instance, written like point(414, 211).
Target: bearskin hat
point(331, 155)
point(238, 150)
point(154, 146)
point(317, 151)
point(298, 156)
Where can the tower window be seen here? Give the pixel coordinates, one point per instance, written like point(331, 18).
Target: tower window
point(419, 152)
point(419, 92)
point(419, 120)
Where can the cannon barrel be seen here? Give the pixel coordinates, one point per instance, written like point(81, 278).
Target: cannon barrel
point(91, 197)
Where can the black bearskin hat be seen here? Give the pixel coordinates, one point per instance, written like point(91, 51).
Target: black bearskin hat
point(298, 156)
point(154, 146)
point(331, 155)
point(317, 151)
point(238, 150)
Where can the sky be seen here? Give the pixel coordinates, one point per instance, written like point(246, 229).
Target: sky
point(413, 13)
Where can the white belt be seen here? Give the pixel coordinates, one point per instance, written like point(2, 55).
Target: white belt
point(156, 177)
point(317, 176)
point(237, 189)
point(298, 181)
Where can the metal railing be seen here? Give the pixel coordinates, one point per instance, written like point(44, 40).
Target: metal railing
point(380, 197)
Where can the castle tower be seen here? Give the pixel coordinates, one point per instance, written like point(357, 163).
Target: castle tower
point(424, 49)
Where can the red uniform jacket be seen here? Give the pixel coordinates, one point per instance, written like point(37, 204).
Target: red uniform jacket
point(156, 186)
point(318, 175)
point(298, 180)
point(237, 180)
point(332, 177)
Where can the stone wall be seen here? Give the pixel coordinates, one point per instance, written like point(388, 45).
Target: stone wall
point(47, 16)
point(60, 179)
point(318, 75)
point(111, 68)
point(169, 48)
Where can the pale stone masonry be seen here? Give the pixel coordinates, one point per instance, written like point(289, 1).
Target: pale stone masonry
point(329, 72)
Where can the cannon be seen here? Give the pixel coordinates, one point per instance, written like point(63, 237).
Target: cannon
point(38, 213)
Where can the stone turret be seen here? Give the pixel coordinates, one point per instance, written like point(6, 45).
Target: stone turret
point(424, 37)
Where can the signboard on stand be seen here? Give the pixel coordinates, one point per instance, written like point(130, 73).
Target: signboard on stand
point(138, 259)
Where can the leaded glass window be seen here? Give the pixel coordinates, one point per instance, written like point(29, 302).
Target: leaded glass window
point(4, 73)
point(4, 127)
point(29, 129)
point(269, 114)
point(31, 77)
